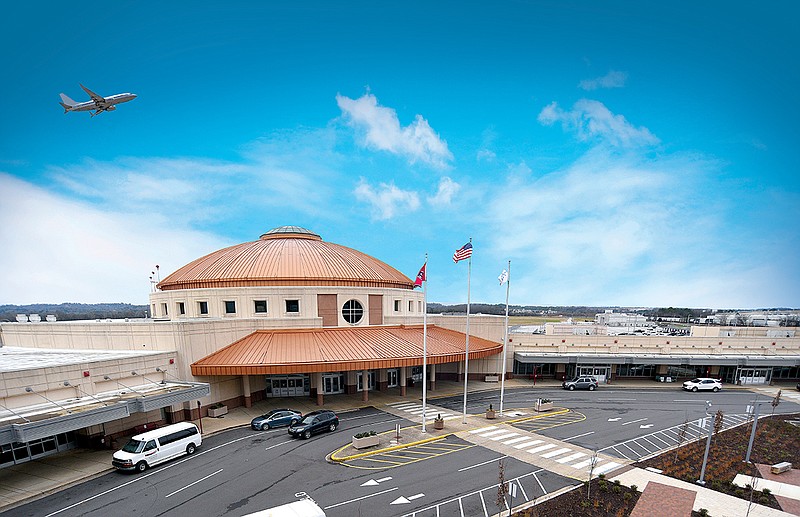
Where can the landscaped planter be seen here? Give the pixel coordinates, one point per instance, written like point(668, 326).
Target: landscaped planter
point(366, 441)
point(491, 414)
point(542, 406)
point(438, 423)
point(216, 412)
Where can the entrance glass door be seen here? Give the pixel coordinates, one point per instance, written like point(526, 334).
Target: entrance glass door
point(392, 376)
point(370, 379)
point(332, 383)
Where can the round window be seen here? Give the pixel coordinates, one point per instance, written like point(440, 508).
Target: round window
point(352, 311)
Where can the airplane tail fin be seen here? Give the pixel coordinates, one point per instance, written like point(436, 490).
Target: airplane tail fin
point(66, 102)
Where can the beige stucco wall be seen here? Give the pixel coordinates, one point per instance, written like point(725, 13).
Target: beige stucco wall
point(276, 303)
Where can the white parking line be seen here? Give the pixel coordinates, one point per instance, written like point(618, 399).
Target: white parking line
point(492, 433)
point(605, 468)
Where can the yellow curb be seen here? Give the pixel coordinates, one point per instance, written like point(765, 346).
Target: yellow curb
point(386, 449)
point(333, 456)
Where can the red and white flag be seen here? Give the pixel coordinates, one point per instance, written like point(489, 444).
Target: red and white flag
point(420, 276)
point(463, 253)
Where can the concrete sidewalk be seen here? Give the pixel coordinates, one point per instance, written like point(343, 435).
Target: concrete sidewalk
point(31, 480)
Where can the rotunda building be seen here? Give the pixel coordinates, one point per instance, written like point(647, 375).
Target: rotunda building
point(307, 318)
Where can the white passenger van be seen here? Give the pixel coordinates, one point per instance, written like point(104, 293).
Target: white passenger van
point(153, 447)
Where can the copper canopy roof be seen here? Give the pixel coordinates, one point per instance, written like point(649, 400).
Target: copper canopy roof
point(286, 256)
point(267, 352)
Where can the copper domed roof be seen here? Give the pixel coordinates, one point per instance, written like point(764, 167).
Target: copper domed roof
point(286, 256)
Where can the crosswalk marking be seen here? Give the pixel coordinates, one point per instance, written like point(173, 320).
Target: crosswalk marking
point(492, 433)
point(483, 429)
point(575, 456)
point(583, 464)
point(557, 452)
point(516, 440)
point(527, 444)
point(604, 468)
point(541, 448)
point(504, 436)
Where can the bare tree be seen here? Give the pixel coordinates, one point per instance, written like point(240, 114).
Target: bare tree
point(719, 419)
point(682, 433)
point(776, 401)
point(502, 487)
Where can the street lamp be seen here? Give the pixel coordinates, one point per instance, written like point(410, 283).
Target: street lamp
point(702, 480)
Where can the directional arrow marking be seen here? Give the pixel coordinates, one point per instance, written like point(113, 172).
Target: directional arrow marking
point(373, 482)
point(403, 500)
point(614, 419)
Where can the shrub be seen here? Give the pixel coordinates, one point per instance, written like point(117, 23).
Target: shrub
point(365, 434)
point(584, 504)
point(627, 496)
point(635, 488)
point(703, 512)
point(617, 489)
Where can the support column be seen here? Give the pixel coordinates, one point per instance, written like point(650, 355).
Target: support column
point(365, 385)
point(248, 401)
point(433, 377)
point(320, 388)
point(402, 381)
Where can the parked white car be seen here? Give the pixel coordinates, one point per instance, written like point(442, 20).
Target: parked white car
point(703, 384)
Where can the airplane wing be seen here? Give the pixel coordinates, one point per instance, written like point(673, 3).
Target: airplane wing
point(96, 98)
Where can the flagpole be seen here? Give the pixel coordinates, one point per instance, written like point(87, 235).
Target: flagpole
point(425, 344)
point(505, 341)
point(466, 354)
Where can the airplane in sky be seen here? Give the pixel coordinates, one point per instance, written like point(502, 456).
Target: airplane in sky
point(98, 102)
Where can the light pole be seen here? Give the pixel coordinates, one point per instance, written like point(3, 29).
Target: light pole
point(702, 480)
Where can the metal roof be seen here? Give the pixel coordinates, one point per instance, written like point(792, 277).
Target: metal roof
point(337, 349)
point(673, 359)
point(23, 424)
point(286, 256)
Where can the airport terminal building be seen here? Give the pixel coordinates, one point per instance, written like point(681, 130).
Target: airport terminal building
point(292, 315)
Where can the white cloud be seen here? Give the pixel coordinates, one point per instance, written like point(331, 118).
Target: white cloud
point(67, 250)
point(417, 141)
point(387, 200)
point(613, 79)
point(486, 154)
point(444, 195)
point(591, 120)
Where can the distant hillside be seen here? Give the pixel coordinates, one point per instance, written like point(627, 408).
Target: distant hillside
point(74, 311)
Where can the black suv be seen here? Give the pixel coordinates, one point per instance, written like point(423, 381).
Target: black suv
point(313, 423)
point(583, 382)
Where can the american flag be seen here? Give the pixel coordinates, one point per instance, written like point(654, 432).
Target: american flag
point(463, 253)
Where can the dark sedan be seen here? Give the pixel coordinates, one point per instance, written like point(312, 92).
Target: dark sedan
point(313, 423)
point(276, 418)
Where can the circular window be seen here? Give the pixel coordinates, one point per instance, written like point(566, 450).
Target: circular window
point(352, 311)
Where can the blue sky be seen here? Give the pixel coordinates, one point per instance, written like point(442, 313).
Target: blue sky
point(618, 153)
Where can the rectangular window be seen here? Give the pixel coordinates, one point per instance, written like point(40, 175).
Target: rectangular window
point(153, 311)
point(419, 304)
point(164, 309)
point(292, 305)
point(230, 307)
point(397, 306)
point(410, 306)
point(181, 308)
point(202, 307)
point(261, 306)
